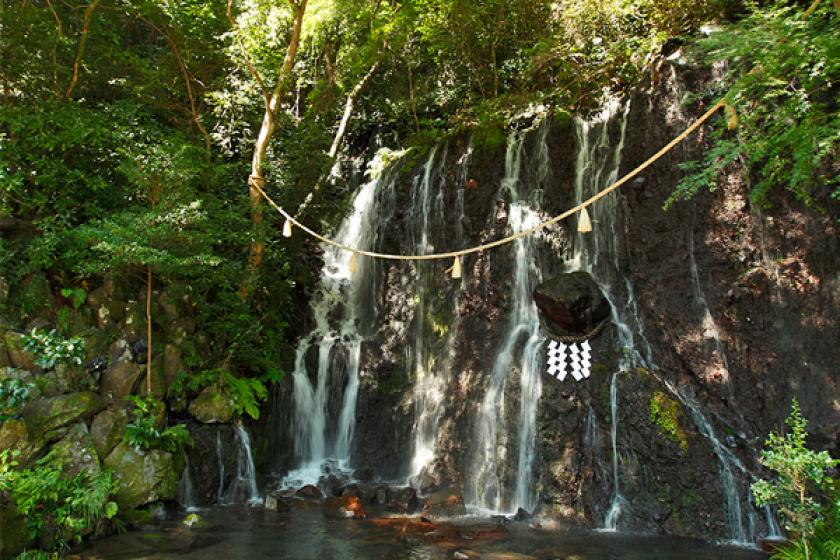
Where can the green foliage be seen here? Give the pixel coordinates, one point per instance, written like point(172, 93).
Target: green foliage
point(782, 67)
point(59, 508)
point(50, 350)
point(801, 474)
point(76, 295)
point(665, 413)
point(14, 394)
point(143, 431)
point(246, 393)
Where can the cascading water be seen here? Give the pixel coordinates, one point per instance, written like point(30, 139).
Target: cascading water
point(432, 371)
point(185, 487)
point(520, 350)
point(599, 253)
point(322, 437)
point(243, 488)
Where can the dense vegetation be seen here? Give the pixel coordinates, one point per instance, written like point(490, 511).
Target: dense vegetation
point(129, 130)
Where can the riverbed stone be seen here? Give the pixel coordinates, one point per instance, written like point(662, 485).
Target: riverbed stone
point(107, 429)
point(448, 502)
point(212, 406)
point(144, 476)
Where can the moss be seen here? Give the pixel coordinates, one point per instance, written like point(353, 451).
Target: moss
point(562, 119)
point(665, 413)
point(488, 136)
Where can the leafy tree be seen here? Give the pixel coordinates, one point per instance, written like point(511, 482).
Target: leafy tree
point(801, 475)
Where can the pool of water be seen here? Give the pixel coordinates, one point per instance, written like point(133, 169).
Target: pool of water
point(304, 532)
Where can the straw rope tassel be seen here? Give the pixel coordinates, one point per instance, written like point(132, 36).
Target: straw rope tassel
point(584, 223)
point(456, 268)
point(353, 265)
point(287, 229)
point(731, 117)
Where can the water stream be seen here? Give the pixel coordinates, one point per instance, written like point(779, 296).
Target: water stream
point(243, 488)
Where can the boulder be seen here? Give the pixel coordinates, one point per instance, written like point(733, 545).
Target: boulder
point(107, 429)
point(445, 503)
point(15, 436)
point(571, 304)
point(45, 415)
point(379, 495)
point(144, 476)
point(403, 500)
point(193, 521)
point(172, 363)
point(78, 451)
point(212, 406)
point(122, 378)
point(18, 357)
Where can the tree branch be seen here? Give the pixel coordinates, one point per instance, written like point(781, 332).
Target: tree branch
point(248, 64)
point(80, 51)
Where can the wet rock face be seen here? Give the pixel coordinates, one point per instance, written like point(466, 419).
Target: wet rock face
point(571, 304)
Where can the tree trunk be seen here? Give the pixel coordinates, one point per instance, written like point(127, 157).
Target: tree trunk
point(256, 180)
point(80, 51)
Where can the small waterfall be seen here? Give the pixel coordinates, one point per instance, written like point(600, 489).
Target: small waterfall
point(599, 253)
point(323, 437)
point(522, 336)
point(221, 459)
point(185, 487)
point(433, 362)
point(243, 488)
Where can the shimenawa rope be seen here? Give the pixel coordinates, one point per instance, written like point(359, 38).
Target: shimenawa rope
point(518, 235)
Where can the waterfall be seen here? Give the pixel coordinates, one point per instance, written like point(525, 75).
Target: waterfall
point(323, 438)
point(522, 337)
point(243, 488)
point(599, 253)
point(221, 459)
point(185, 487)
point(432, 362)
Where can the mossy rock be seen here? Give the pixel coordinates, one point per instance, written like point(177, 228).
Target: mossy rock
point(123, 376)
point(16, 436)
point(43, 416)
point(14, 534)
point(144, 476)
point(78, 451)
point(18, 357)
point(212, 407)
point(562, 119)
point(107, 429)
point(33, 297)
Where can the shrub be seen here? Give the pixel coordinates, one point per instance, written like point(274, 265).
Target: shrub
point(14, 394)
point(143, 433)
point(50, 350)
point(59, 509)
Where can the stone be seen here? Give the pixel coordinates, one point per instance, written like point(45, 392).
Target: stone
point(379, 495)
point(123, 377)
point(18, 357)
point(447, 502)
point(78, 451)
point(144, 476)
point(107, 429)
point(403, 500)
point(212, 406)
point(271, 503)
point(571, 304)
point(45, 415)
point(345, 507)
point(172, 363)
point(15, 436)
point(309, 491)
point(193, 521)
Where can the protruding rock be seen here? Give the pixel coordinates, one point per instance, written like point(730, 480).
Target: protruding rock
point(445, 503)
point(193, 521)
point(144, 476)
point(212, 407)
point(571, 304)
point(15, 436)
point(107, 429)
point(18, 357)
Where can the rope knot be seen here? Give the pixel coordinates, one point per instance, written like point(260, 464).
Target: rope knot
point(256, 181)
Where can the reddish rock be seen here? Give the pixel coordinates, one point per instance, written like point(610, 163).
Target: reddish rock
point(345, 507)
point(309, 492)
